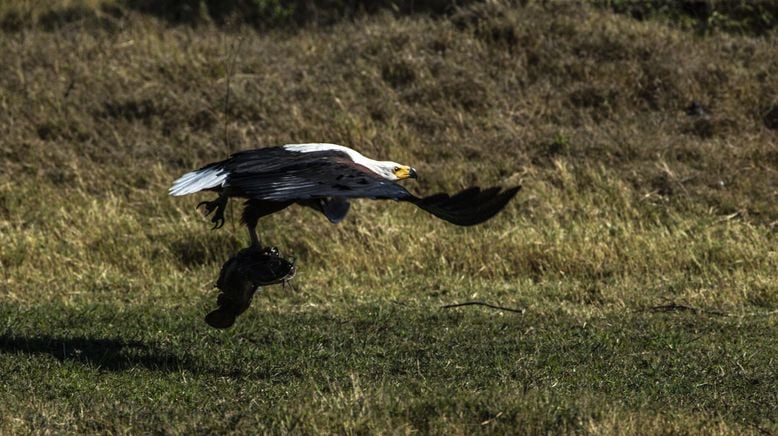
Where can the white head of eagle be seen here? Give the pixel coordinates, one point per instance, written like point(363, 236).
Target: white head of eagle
point(324, 177)
point(386, 168)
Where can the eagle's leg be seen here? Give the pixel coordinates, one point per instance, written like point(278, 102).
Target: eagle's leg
point(256, 209)
point(251, 216)
point(255, 242)
point(218, 206)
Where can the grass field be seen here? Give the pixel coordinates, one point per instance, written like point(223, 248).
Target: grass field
point(641, 254)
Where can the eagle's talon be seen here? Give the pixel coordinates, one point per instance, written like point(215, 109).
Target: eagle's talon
point(217, 206)
point(219, 218)
point(218, 221)
point(209, 206)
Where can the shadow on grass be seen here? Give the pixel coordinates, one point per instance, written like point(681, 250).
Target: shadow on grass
point(104, 353)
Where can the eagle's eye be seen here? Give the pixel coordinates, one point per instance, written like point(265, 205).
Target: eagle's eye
point(395, 169)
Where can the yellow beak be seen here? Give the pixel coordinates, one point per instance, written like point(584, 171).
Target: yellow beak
point(405, 173)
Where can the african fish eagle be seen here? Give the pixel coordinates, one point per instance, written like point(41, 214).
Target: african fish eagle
point(324, 177)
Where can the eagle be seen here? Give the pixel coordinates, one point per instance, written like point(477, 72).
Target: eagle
point(324, 177)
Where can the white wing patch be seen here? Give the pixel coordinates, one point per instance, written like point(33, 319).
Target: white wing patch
point(197, 181)
point(382, 168)
point(308, 148)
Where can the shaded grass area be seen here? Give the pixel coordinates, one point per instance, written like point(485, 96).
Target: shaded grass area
point(379, 366)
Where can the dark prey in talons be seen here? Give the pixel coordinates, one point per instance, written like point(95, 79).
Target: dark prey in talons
point(240, 278)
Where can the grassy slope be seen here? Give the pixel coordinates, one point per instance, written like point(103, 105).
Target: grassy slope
point(628, 203)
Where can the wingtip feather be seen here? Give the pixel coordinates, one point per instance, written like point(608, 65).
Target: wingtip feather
point(197, 181)
point(470, 206)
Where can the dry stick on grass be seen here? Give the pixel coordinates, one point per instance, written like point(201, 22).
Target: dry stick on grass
point(480, 303)
point(675, 307)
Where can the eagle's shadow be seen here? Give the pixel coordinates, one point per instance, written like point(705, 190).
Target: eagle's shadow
point(108, 354)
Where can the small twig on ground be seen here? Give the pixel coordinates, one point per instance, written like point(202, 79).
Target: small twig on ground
point(675, 307)
point(480, 303)
point(768, 313)
point(69, 88)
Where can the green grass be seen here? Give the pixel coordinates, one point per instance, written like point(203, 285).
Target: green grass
point(628, 204)
point(383, 365)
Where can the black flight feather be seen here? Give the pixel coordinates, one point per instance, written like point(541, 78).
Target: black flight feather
point(468, 207)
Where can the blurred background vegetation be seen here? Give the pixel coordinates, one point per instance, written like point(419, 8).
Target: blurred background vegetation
point(702, 16)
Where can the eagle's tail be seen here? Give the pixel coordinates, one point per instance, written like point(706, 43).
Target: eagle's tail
point(208, 177)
